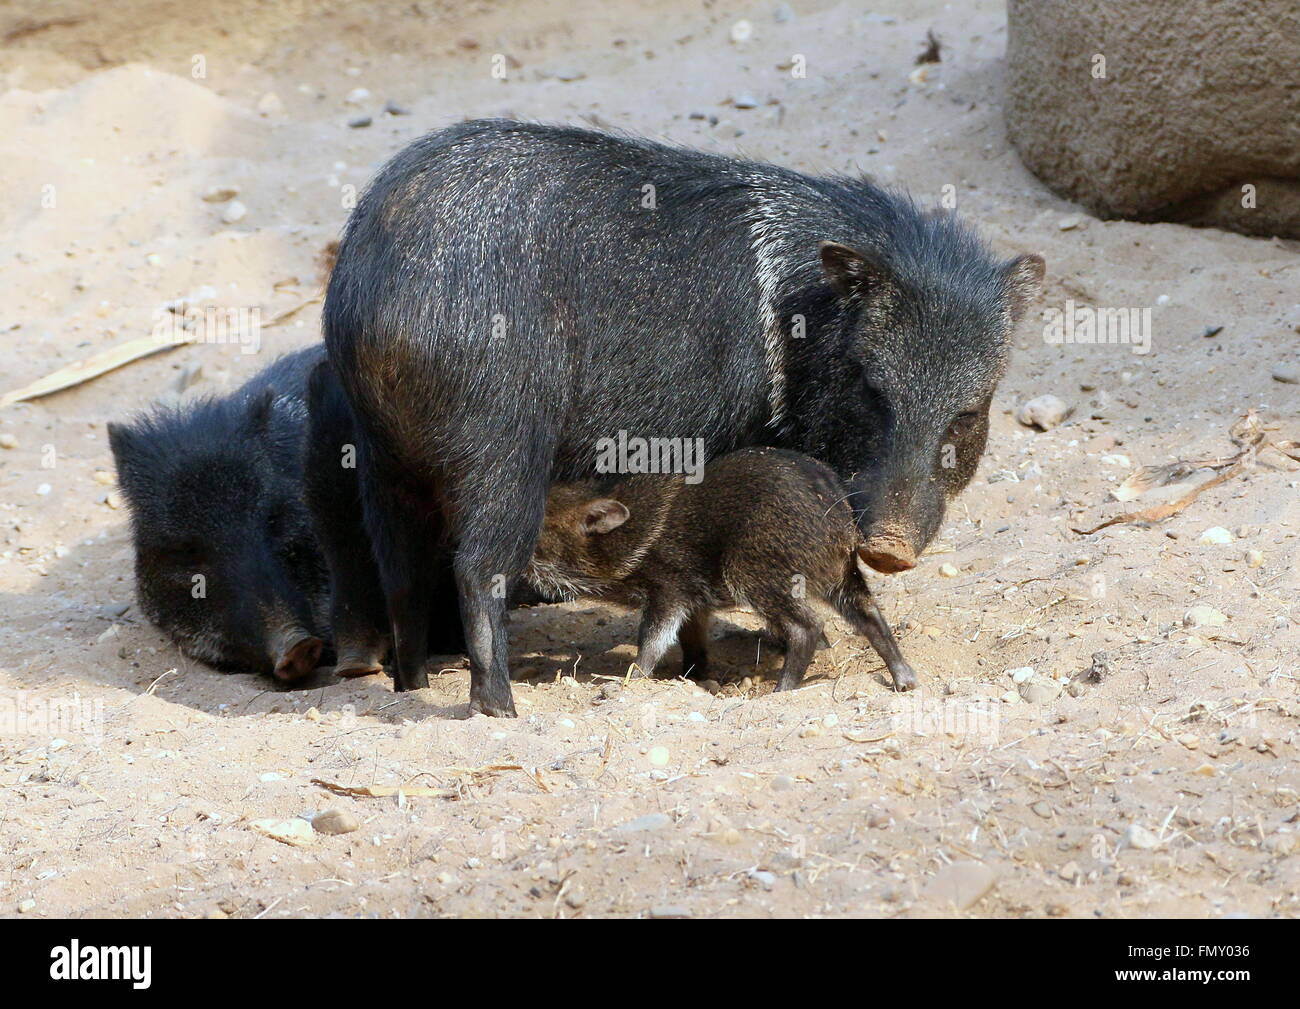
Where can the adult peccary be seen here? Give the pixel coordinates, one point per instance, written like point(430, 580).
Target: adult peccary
point(226, 561)
point(507, 295)
point(766, 528)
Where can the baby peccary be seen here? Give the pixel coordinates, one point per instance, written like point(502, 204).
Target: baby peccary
point(765, 528)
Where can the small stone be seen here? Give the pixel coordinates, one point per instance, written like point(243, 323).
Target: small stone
point(1022, 675)
point(360, 122)
point(1215, 534)
point(1041, 808)
point(669, 911)
point(741, 30)
point(811, 731)
point(113, 499)
point(948, 571)
point(745, 101)
point(783, 13)
point(393, 109)
point(1040, 690)
point(569, 74)
point(296, 832)
point(357, 96)
point(1204, 616)
point(335, 821)
point(642, 824)
point(1069, 872)
point(8, 441)
point(658, 756)
point(235, 211)
point(26, 906)
point(961, 884)
point(1190, 740)
point(1069, 222)
point(1043, 412)
point(1254, 558)
point(782, 783)
point(43, 489)
point(220, 194)
point(1137, 836)
point(269, 104)
point(312, 714)
point(1287, 376)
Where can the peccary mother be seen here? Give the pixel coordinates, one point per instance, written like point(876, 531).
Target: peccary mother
point(507, 295)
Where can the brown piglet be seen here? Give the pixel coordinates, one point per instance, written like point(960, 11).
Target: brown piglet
point(764, 528)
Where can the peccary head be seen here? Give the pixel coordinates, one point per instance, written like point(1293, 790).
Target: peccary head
point(225, 560)
point(893, 384)
point(575, 553)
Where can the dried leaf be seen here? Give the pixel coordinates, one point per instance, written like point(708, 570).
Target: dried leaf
point(384, 791)
point(92, 367)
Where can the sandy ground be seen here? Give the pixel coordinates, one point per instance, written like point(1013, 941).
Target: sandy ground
point(131, 779)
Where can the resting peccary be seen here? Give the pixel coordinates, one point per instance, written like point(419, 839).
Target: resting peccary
point(226, 562)
point(765, 528)
point(507, 296)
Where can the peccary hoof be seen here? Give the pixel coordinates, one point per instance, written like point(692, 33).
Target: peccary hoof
point(492, 710)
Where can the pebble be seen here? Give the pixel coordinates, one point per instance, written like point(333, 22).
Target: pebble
point(1215, 534)
point(393, 109)
point(270, 104)
point(1069, 222)
point(234, 211)
point(1022, 675)
point(569, 74)
point(649, 822)
point(1287, 376)
point(335, 821)
point(1043, 412)
point(783, 13)
point(658, 756)
point(296, 832)
point(1254, 558)
point(669, 911)
point(1069, 872)
point(1137, 836)
point(360, 122)
point(745, 101)
point(741, 30)
point(948, 571)
point(26, 906)
point(1204, 616)
point(357, 96)
point(1040, 690)
point(962, 884)
point(782, 783)
point(312, 714)
point(220, 194)
point(8, 441)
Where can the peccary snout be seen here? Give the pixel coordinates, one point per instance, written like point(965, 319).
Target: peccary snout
point(889, 554)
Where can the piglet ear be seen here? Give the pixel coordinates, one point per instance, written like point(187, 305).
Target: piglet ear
point(260, 409)
point(602, 515)
point(849, 272)
point(120, 442)
point(1022, 283)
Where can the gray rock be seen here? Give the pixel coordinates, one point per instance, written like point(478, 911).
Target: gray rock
point(961, 885)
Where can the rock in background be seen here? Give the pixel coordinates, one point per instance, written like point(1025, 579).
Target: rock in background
point(1198, 100)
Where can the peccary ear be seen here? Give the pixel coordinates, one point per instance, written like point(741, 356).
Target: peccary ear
point(259, 413)
point(602, 515)
point(1022, 281)
point(849, 272)
point(120, 441)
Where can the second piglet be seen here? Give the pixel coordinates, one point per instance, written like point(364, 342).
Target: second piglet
point(765, 528)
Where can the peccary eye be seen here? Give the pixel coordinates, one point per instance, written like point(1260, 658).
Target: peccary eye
point(963, 425)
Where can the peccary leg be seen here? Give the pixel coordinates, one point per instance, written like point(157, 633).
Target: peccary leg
point(495, 527)
point(404, 544)
point(800, 644)
point(882, 640)
point(659, 626)
point(694, 637)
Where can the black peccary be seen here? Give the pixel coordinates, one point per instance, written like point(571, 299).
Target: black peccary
point(506, 295)
point(766, 528)
point(226, 561)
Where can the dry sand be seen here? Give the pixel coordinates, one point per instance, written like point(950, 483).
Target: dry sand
point(1168, 788)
